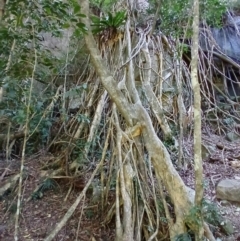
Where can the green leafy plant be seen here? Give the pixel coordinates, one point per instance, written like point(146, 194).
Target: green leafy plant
point(25, 59)
point(103, 4)
point(176, 16)
point(48, 184)
point(183, 237)
point(89, 214)
point(168, 142)
point(211, 213)
point(21, 31)
point(212, 11)
point(83, 118)
point(194, 217)
point(109, 22)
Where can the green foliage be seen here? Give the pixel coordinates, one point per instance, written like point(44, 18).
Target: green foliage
point(183, 237)
point(76, 91)
point(212, 11)
point(48, 184)
point(21, 34)
point(15, 108)
point(82, 118)
point(169, 141)
point(211, 213)
point(24, 22)
point(89, 214)
point(108, 22)
point(104, 5)
point(23, 54)
point(194, 217)
point(176, 16)
point(183, 48)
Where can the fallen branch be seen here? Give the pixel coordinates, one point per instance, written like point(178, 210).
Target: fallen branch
point(9, 184)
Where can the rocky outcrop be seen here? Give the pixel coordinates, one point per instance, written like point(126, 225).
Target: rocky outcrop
point(223, 40)
point(229, 189)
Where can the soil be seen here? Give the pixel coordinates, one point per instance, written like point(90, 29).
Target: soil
point(39, 216)
point(222, 163)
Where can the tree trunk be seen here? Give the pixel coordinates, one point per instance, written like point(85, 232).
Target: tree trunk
point(135, 114)
point(197, 121)
point(2, 6)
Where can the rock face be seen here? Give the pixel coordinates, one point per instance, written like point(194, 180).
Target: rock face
point(232, 136)
point(223, 40)
point(229, 189)
point(207, 150)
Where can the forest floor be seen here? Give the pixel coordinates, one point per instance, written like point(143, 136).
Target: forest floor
point(39, 217)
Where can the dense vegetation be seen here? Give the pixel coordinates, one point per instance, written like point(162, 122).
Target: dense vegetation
point(57, 97)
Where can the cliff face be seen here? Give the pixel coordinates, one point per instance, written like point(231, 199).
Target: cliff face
point(222, 50)
point(225, 40)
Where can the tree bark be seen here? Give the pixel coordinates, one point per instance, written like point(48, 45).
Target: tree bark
point(197, 120)
point(136, 114)
point(2, 6)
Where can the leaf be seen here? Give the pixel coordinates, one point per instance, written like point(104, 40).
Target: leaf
point(95, 19)
point(80, 15)
point(82, 27)
point(77, 33)
point(119, 19)
point(74, 20)
point(76, 9)
point(20, 20)
point(66, 25)
point(98, 30)
point(110, 19)
point(106, 23)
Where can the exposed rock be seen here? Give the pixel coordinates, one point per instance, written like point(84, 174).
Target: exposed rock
point(235, 163)
point(225, 40)
point(227, 227)
point(229, 189)
point(232, 136)
point(225, 203)
point(96, 195)
point(207, 150)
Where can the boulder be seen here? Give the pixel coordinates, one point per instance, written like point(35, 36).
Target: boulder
point(227, 227)
point(228, 189)
point(232, 136)
point(223, 40)
point(207, 150)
